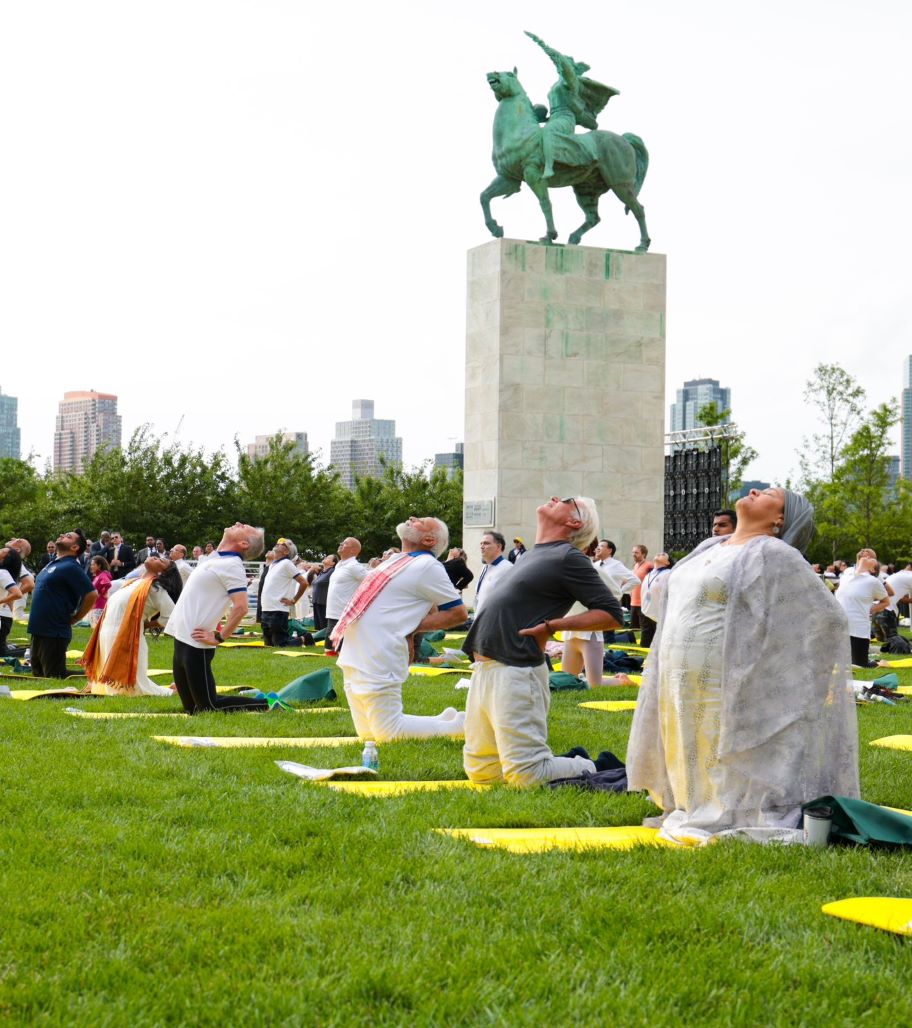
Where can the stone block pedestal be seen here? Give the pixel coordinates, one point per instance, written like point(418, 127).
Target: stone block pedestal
point(565, 389)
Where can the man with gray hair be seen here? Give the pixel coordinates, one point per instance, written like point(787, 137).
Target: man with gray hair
point(284, 586)
point(506, 728)
point(409, 592)
point(195, 622)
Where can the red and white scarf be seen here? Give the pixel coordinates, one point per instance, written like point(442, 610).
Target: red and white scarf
point(367, 592)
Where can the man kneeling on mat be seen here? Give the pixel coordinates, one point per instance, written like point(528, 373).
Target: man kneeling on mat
point(195, 623)
point(409, 592)
point(506, 730)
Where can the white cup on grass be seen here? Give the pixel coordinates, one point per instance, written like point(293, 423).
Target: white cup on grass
point(817, 824)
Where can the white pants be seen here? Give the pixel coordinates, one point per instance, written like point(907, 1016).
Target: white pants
point(376, 709)
point(506, 728)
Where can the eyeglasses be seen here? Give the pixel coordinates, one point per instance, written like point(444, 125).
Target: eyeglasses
point(571, 499)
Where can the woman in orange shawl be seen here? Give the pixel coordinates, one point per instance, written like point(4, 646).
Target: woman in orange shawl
point(117, 657)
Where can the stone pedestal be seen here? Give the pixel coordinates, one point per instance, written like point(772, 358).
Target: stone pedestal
point(565, 389)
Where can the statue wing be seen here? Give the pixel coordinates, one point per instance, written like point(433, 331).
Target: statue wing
point(595, 95)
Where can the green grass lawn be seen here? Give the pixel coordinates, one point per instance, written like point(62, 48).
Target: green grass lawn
point(144, 885)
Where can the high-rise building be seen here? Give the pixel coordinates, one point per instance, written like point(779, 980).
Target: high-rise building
point(906, 429)
point(451, 461)
point(86, 421)
point(10, 441)
point(363, 445)
point(696, 394)
point(260, 447)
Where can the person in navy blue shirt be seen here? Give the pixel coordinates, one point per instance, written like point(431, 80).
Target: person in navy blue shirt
point(63, 595)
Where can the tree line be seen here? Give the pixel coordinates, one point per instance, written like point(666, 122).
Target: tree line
point(183, 494)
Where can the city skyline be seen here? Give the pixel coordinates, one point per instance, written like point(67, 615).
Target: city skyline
point(695, 394)
point(363, 446)
point(238, 243)
point(10, 435)
point(86, 421)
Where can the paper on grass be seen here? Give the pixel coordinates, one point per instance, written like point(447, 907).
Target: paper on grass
point(539, 840)
point(320, 774)
point(889, 913)
point(232, 742)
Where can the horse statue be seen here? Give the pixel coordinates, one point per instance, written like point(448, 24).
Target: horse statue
point(592, 163)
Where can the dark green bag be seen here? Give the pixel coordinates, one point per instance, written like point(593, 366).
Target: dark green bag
point(560, 681)
point(864, 823)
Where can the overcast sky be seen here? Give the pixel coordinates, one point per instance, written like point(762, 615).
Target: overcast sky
point(240, 216)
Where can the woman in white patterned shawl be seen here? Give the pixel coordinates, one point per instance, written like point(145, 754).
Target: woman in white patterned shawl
point(745, 711)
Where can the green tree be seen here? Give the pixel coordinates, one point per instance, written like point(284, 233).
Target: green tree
point(288, 494)
point(839, 402)
point(859, 506)
point(380, 504)
point(149, 487)
point(737, 455)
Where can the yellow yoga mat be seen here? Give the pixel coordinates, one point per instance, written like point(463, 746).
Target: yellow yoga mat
point(610, 705)
point(902, 662)
point(73, 654)
point(887, 912)
point(107, 715)
point(539, 840)
point(431, 672)
point(34, 694)
point(237, 645)
point(894, 742)
point(636, 679)
point(455, 635)
point(295, 653)
point(398, 788)
point(232, 742)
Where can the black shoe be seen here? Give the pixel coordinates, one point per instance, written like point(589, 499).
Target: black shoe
point(577, 751)
point(607, 761)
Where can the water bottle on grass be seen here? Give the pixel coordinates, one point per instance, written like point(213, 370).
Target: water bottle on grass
point(370, 758)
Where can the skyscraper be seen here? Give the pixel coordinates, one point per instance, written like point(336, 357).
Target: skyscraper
point(360, 444)
point(906, 440)
point(10, 441)
point(86, 421)
point(696, 394)
point(260, 447)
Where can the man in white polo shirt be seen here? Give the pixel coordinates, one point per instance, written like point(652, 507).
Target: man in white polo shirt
point(349, 574)
point(217, 583)
point(283, 587)
point(409, 592)
point(496, 567)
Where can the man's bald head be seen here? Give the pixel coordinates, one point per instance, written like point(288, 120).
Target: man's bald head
point(349, 547)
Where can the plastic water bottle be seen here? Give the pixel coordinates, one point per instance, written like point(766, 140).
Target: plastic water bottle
point(370, 758)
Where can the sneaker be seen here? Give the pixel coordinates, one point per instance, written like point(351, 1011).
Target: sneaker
point(607, 761)
point(577, 751)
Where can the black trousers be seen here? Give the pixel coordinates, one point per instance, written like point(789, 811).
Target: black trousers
point(634, 616)
point(49, 656)
point(196, 686)
point(859, 650)
point(330, 628)
point(648, 632)
point(6, 626)
point(319, 616)
point(275, 628)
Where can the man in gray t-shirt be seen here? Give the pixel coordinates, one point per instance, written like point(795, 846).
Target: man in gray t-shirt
point(506, 728)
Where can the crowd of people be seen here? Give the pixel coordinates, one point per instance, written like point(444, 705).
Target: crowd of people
point(746, 708)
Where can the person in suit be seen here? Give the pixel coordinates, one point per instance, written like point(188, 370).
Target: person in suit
point(147, 551)
point(120, 556)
